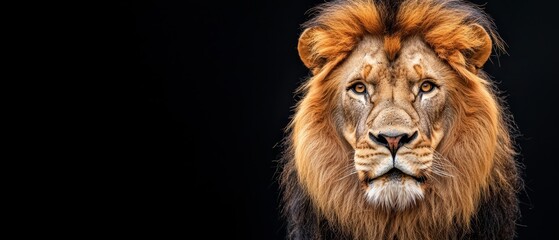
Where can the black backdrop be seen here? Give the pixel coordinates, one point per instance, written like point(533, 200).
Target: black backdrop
point(209, 87)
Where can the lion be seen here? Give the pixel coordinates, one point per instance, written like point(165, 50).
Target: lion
point(399, 133)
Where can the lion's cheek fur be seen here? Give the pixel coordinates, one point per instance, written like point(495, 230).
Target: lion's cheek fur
point(471, 140)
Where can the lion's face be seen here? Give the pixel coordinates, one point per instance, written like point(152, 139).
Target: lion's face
point(393, 118)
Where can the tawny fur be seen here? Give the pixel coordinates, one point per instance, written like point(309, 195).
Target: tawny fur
point(321, 202)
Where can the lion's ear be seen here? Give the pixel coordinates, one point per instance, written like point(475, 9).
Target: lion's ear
point(482, 51)
point(306, 49)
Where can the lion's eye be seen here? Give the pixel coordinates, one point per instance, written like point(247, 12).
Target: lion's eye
point(359, 88)
point(427, 87)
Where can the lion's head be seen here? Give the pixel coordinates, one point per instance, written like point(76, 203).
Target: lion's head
point(399, 133)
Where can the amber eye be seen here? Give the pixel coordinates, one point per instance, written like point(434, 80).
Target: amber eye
point(359, 88)
point(427, 87)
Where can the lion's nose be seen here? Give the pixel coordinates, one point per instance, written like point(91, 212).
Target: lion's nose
point(393, 141)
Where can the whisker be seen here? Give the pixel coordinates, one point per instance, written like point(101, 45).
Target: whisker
point(352, 173)
point(442, 166)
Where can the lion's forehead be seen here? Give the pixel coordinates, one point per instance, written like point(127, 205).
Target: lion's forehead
point(415, 61)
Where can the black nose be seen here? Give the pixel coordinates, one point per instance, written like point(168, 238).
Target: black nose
point(393, 141)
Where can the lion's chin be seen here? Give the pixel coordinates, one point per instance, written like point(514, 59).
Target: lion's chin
point(396, 193)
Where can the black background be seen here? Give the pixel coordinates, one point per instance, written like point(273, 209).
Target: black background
point(204, 90)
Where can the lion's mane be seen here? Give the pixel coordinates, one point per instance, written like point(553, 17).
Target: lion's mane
point(480, 201)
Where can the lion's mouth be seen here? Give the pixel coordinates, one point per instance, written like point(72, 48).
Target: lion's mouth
point(396, 174)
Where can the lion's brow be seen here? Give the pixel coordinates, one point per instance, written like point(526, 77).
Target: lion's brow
point(366, 70)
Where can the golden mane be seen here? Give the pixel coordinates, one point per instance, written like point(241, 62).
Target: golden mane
point(318, 161)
